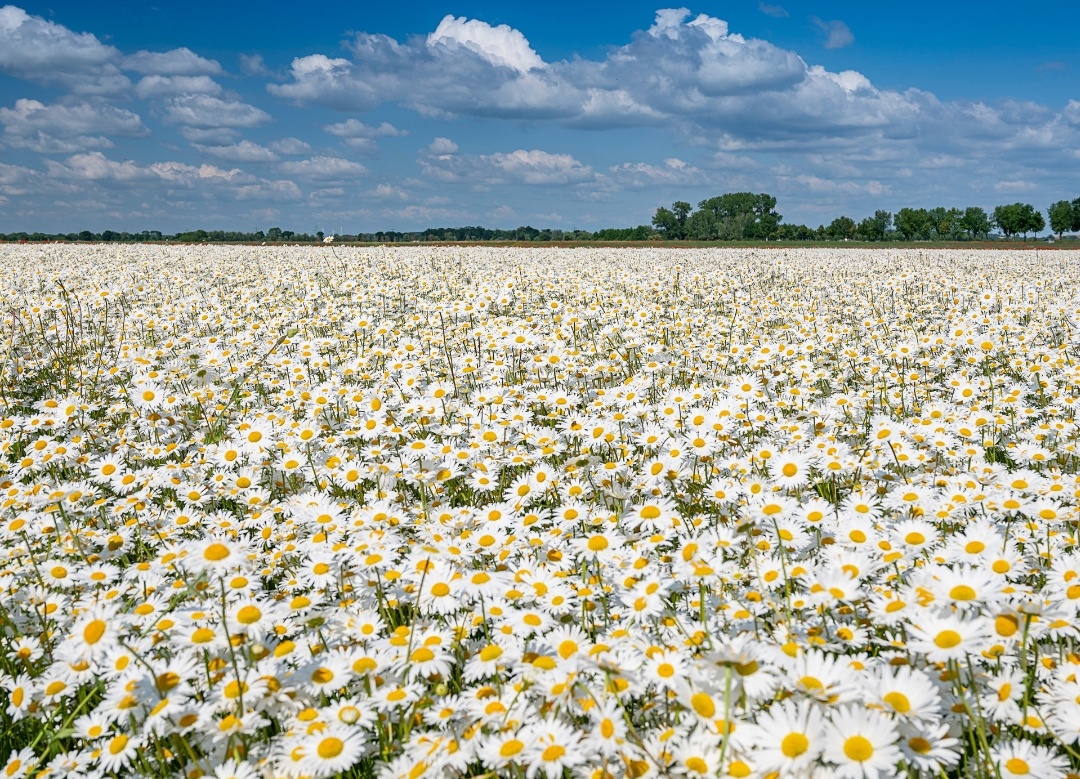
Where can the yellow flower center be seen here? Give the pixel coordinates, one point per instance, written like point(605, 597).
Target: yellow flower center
point(947, 639)
point(1017, 766)
point(511, 748)
point(898, 701)
point(330, 747)
point(93, 632)
point(794, 744)
point(858, 748)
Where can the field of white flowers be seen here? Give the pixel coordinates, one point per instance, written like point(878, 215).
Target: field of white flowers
point(591, 513)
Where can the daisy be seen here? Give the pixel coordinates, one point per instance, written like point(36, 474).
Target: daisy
point(944, 638)
point(331, 750)
point(19, 764)
point(861, 743)
point(928, 746)
point(907, 693)
point(117, 751)
point(1015, 759)
point(697, 756)
point(788, 737)
point(553, 749)
point(791, 469)
point(503, 750)
point(235, 769)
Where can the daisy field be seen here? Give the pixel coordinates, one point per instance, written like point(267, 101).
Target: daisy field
point(537, 513)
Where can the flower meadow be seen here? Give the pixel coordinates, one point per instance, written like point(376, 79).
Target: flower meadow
point(493, 512)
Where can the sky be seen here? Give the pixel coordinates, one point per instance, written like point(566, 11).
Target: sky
point(402, 116)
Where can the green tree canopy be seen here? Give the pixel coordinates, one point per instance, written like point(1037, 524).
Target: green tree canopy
point(1064, 216)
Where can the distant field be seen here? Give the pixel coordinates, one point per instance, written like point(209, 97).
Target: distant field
point(467, 511)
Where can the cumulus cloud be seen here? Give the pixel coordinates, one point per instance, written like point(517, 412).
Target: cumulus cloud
point(290, 146)
point(323, 167)
point(66, 128)
point(354, 128)
point(532, 166)
point(17, 180)
point(244, 151)
point(501, 46)
point(208, 111)
point(254, 65)
point(442, 146)
point(684, 69)
point(837, 33)
point(642, 174)
point(176, 62)
point(95, 166)
point(39, 50)
point(231, 184)
point(386, 192)
point(159, 86)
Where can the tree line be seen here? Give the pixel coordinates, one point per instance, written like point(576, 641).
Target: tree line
point(744, 216)
point(274, 234)
point(735, 216)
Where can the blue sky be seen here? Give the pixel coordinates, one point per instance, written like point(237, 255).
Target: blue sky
point(407, 115)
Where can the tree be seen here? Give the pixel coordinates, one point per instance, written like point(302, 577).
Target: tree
point(842, 228)
point(665, 222)
point(1018, 218)
point(1008, 219)
point(1033, 221)
point(682, 210)
point(874, 228)
point(945, 222)
point(736, 216)
point(975, 222)
point(1062, 217)
point(913, 224)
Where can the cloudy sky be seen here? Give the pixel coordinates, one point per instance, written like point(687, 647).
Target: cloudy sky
point(407, 115)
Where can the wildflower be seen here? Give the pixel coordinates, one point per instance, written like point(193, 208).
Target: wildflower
point(861, 743)
point(944, 638)
point(330, 750)
point(1016, 759)
point(788, 737)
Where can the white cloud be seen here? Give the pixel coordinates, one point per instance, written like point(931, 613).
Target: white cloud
point(166, 180)
point(158, 86)
point(244, 151)
point(1011, 187)
point(290, 146)
point(522, 166)
point(418, 213)
point(365, 147)
point(502, 46)
point(254, 65)
point(353, 128)
point(39, 50)
point(176, 62)
point(642, 174)
point(95, 166)
point(775, 11)
point(182, 172)
point(209, 135)
point(442, 146)
point(837, 33)
point(66, 128)
point(323, 167)
point(207, 111)
point(17, 180)
point(386, 192)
